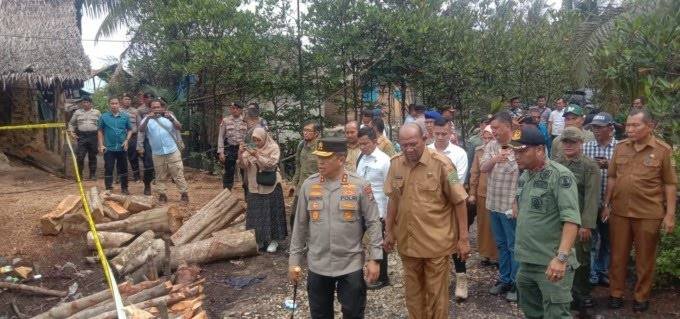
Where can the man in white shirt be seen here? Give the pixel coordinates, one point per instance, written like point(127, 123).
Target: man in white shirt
point(556, 120)
point(442, 144)
point(373, 166)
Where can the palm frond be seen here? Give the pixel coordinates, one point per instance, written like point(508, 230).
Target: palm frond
point(591, 34)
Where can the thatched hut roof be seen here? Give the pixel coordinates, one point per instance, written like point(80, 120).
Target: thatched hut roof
point(40, 42)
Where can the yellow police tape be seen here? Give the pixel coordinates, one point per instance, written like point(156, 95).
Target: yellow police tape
point(32, 126)
point(108, 274)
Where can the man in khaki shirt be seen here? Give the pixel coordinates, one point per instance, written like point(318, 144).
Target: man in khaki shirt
point(639, 203)
point(83, 127)
point(353, 151)
point(427, 219)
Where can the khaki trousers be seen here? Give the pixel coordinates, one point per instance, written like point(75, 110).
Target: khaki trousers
point(169, 164)
point(643, 235)
point(485, 241)
point(427, 286)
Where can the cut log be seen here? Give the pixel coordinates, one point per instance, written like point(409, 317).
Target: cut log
point(147, 294)
point(217, 214)
point(185, 309)
point(68, 309)
point(33, 290)
point(156, 302)
point(215, 248)
point(200, 315)
point(156, 219)
point(109, 239)
point(230, 230)
point(75, 222)
point(151, 268)
point(114, 209)
point(138, 246)
point(144, 257)
point(51, 223)
point(108, 252)
point(96, 206)
point(133, 203)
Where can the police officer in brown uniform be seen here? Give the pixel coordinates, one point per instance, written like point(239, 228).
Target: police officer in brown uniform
point(640, 201)
point(427, 218)
point(335, 209)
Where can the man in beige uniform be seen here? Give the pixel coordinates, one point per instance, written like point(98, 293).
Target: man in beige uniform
point(335, 209)
point(83, 127)
point(427, 218)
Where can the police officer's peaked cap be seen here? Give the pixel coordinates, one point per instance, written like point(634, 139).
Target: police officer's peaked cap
point(529, 136)
point(330, 145)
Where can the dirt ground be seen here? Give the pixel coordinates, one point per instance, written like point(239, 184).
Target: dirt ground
point(27, 193)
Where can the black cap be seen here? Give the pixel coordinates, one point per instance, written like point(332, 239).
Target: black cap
point(419, 107)
point(86, 98)
point(328, 146)
point(602, 119)
point(367, 112)
point(528, 136)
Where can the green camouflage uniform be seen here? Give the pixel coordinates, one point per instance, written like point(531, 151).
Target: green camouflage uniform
point(546, 199)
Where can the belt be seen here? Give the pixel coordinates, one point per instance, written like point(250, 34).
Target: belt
point(87, 132)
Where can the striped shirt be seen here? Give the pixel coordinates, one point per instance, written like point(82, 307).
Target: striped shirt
point(592, 149)
point(502, 180)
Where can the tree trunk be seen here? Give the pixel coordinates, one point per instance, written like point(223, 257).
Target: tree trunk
point(51, 223)
point(33, 290)
point(157, 219)
point(215, 248)
point(147, 254)
point(108, 252)
point(133, 203)
point(137, 247)
point(68, 309)
point(215, 215)
point(109, 239)
point(147, 294)
point(115, 210)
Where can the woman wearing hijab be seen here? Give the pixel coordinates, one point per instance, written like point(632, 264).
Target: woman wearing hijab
point(266, 211)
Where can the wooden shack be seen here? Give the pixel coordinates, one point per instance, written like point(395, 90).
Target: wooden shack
point(42, 66)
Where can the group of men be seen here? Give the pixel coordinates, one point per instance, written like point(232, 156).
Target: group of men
point(127, 134)
point(561, 223)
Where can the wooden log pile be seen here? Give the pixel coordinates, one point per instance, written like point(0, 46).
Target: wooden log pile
point(143, 241)
point(179, 296)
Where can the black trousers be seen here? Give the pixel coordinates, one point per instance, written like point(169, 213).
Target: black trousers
point(458, 263)
point(230, 155)
point(119, 159)
point(133, 156)
point(87, 145)
point(351, 290)
point(147, 160)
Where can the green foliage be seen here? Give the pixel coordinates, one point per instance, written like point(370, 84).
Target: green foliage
point(100, 100)
point(667, 266)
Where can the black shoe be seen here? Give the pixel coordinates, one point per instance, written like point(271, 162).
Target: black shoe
point(640, 306)
point(615, 303)
point(377, 285)
point(125, 192)
point(500, 288)
point(162, 199)
point(147, 190)
point(92, 177)
point(486, 262)
point(184, 198)
point(109, 188)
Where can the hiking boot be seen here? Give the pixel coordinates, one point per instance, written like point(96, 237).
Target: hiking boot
point(184, 198)
point(147, 190)
point(511, 295)
point(461, 286)
point(162, 199)
point(377, 285)
point(500, 288)
point(272, 246)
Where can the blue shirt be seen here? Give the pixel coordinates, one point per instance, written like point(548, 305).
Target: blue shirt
point(162, 143)
point(115, 128)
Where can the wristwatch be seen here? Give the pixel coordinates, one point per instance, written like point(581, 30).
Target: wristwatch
point(562, 256)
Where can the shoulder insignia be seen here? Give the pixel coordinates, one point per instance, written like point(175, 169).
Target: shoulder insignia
point(545, 174)
point(396, 156)
point(453, 176)
point(565, 181)
point(662, 144)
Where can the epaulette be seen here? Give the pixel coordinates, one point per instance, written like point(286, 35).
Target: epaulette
point(661, 143)
point(396, 156)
